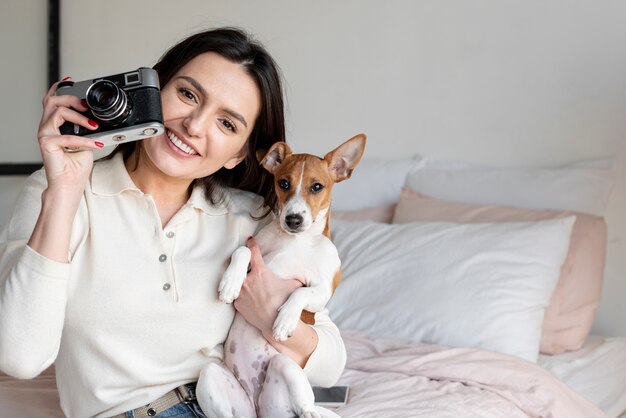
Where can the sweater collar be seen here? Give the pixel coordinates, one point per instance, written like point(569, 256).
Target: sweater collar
point(110, 178)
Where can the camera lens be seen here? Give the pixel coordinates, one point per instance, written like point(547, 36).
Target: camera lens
point(107, 101)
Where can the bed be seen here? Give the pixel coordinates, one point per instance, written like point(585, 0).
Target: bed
point(399, 378)
point(467, 291)
point(471, 290)
point(382, 385)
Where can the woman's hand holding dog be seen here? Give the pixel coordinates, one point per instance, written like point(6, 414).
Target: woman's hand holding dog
point(262, 294)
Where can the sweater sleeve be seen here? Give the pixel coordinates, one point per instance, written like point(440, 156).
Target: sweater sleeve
point(327, 362)
point(33, 292)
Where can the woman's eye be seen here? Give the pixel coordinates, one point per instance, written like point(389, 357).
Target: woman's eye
point(229, 125)
point(188, 94)
point(317, 187)
point(283, 184)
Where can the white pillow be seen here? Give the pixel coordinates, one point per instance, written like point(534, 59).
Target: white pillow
point(583, 186)
point(375, 182)
point(462, 285)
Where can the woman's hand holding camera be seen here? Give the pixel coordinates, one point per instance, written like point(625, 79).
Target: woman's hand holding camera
point(65, 170)
point(67, 174)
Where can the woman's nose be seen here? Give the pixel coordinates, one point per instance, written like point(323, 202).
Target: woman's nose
point(196, 123)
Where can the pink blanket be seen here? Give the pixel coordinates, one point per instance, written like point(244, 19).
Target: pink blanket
point(390, 378)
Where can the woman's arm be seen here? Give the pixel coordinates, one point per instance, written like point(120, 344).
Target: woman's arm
point(33, 291)
point(326, 363)
point(34, 246)
point(66, 173)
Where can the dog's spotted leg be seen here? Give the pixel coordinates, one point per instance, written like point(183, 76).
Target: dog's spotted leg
point(220, 395)
point(234, 276)
point(286, 391)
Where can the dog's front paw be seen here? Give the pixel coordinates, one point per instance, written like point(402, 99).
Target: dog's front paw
point(235, 275)
point(286, 322)
point(230, 286)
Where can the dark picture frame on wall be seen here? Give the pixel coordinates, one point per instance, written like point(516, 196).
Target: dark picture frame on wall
point(53, 72)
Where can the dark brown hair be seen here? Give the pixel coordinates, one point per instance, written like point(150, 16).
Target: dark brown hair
point(239, 47)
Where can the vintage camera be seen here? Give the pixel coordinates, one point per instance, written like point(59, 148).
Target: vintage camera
point(127, 106)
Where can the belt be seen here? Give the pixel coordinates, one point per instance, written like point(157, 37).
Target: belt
point(184, 394)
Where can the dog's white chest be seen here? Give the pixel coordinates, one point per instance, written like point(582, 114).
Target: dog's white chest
point(312, 259)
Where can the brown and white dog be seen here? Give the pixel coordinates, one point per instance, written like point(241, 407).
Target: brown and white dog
point(256, 380)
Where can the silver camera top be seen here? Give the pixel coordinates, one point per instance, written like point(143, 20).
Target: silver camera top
point(142, 77)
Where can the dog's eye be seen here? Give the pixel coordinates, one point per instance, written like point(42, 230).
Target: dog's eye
point(317, 187)
point(284, 184)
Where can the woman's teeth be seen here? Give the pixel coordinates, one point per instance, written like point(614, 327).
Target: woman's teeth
point(180, 145)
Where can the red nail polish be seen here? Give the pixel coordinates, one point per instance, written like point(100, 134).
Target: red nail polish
point(99, 144)
point(84, 103)
point(249, 238)
point(67, 78)
point(92, 123)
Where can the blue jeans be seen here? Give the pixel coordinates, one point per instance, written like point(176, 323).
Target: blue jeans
point(191, 410)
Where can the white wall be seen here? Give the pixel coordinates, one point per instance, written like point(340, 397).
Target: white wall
point(493, 81)
point(23, 73)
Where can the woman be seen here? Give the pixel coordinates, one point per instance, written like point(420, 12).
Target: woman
point(110, 270)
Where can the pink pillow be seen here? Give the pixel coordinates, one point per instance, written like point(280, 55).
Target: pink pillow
point(572, 309)
point(382, 214)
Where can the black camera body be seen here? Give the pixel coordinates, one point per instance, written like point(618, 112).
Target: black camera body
point(127, 106)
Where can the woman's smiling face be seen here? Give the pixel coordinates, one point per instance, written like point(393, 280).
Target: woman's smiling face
point(209, 110)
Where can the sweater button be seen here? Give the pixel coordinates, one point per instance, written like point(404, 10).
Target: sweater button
point(162, 258)
point(167, 286)
point(170, 234)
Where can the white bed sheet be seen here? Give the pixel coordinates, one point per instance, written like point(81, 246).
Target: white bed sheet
point(597, 371)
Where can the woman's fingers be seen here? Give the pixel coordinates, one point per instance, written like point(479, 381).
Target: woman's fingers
point(63, 114)
point(68, 143)
point(64, 169)
point(51, 101)
point(256, 259)
point(53, 88)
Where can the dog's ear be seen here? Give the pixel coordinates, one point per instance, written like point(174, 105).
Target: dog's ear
point(275, 156)
point(345, 157)
point(260, 154)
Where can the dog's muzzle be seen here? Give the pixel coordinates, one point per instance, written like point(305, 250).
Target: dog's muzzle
point(294, 222)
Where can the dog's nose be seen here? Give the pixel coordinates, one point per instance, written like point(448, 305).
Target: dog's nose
point(293, 221)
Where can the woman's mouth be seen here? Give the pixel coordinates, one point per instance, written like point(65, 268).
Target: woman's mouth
point(180, 144)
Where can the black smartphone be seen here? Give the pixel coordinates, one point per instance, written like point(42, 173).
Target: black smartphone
point(332, 396)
